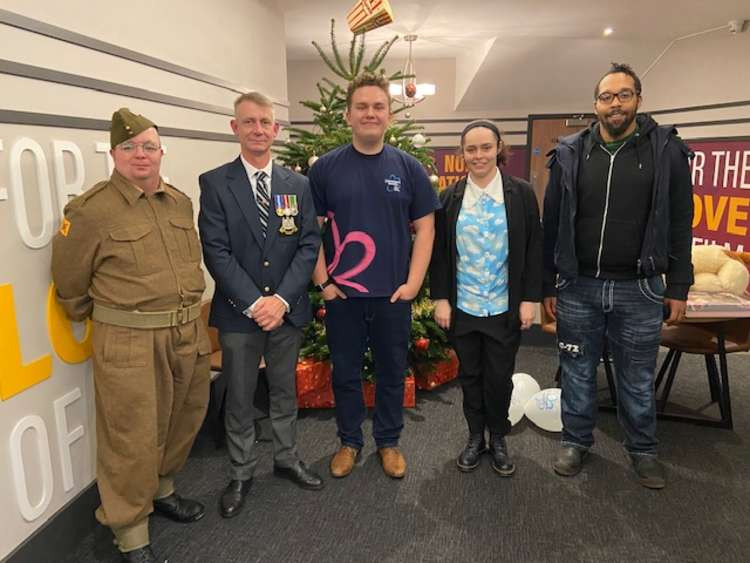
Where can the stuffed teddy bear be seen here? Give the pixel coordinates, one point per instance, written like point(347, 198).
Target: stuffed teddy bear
point(716, 271)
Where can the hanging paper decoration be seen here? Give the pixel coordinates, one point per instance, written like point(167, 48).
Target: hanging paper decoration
point(366, 15)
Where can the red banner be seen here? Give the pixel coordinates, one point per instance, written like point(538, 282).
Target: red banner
point(721, 193)
point(451, 166)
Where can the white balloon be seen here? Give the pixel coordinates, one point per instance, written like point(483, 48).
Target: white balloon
point(524, 387)
point(515, 413)
point(543, 409)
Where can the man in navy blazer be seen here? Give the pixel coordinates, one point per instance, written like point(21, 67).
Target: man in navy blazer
point(260, 242)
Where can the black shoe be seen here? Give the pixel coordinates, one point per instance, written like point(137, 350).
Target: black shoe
point(649, 470)
point(472, 453)
point(569, 461)
point(300, 475)
point(141, 555)
point(234, 497)
point(179, 509)
point(501, 463)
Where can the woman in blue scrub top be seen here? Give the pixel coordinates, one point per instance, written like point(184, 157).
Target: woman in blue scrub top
point(485, 282)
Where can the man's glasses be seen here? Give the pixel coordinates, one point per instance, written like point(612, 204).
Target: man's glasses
point(130, 148)
point(623, 95)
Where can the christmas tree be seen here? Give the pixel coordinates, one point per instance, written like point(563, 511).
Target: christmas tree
point(330, 130)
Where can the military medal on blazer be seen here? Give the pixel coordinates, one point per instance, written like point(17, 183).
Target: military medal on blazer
point(286, 208)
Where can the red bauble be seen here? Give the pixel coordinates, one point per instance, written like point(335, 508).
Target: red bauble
point(411, 90)
point(320, 314)
point(422, 344)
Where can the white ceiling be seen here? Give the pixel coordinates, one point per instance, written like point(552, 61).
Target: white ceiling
point(559, 40)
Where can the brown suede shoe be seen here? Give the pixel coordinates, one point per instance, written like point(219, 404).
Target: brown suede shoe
point(394, 464)
point(343, 460)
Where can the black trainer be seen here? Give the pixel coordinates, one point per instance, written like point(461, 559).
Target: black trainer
point(649, 470)
point(569, 461)
point(501, 463)
point(472, 453)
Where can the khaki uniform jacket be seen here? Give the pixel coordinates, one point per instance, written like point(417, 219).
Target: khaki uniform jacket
point(124, 250)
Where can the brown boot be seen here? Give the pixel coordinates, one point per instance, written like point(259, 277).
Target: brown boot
point(343, 460)
point(394, 464)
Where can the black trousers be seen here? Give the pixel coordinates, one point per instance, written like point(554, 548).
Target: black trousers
point(486, 348)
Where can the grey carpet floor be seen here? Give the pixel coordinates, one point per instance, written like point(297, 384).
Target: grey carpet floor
point(437, 513)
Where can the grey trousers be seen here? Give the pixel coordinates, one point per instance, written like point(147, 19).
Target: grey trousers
point(241, 353)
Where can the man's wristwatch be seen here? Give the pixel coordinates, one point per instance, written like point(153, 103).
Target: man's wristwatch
point(325, 284)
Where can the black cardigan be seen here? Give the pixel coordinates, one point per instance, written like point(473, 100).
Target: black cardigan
point(524, 244)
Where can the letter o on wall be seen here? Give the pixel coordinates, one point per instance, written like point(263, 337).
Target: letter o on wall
point(28, 511)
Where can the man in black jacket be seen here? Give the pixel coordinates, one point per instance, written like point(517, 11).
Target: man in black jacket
point(617, 223)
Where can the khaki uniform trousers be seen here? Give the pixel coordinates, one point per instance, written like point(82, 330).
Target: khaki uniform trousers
point(152, 388)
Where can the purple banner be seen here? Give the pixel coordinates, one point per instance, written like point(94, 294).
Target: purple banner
point(451, 167)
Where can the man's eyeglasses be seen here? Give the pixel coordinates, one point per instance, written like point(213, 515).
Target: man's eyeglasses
point(623, 95)
point(148, 147)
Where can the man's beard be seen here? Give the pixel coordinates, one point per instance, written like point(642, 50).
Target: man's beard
point(616, 131)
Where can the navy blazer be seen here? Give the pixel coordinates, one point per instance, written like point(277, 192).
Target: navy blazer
point(244, 264)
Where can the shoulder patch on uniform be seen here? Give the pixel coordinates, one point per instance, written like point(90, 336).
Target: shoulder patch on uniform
point(65, 228)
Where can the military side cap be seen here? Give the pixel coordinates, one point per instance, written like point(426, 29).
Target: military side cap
point(126, 125)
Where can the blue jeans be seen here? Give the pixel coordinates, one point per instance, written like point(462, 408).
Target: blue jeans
point(351, 325)
point(629, 314)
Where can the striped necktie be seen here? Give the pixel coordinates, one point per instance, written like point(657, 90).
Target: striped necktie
point(262, 198)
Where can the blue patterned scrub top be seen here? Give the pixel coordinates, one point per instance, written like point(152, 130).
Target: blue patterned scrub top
point(482, 244)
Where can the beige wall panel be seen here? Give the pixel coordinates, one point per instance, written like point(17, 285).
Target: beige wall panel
point(33, 49)
point(239, 41)
point(37, 96)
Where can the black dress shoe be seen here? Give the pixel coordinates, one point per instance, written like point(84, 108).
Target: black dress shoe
point(233, 497)
point(569, 461)
point(501, 463)
point(141, 555)
point(179, 509)
point(649, 470)
point(472, 453)
point(300, 475)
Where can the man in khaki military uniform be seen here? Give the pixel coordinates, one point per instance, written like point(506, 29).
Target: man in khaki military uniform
point(127, 255)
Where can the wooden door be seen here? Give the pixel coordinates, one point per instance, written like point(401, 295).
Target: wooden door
point(544, 134)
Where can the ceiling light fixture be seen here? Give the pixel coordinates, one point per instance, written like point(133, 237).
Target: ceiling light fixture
point(409, 92)
point(608, 31)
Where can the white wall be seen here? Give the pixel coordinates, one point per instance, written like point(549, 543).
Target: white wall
point(240, 41)
point(710, 69)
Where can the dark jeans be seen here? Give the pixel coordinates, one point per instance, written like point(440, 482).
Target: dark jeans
point(486, 348)
point(629, 314)
point(352, 324)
